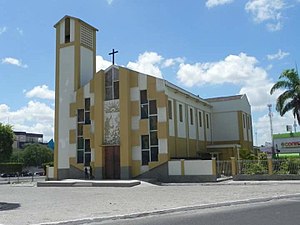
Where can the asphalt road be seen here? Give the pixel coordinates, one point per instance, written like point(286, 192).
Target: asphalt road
point(275, 212)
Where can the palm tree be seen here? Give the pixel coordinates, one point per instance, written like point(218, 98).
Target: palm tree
point(290, 98)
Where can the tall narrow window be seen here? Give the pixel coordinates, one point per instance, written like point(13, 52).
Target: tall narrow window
point(200, 119)
point(152, 106)
point(207, 121)
point(244, 123)
point(180, 113)
point(144, 104)
point(67, 30)
point(191, 116)
point(112, 84)
point(170, 109)
point(87, 107)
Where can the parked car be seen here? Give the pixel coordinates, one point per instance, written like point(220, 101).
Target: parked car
point(39, 173)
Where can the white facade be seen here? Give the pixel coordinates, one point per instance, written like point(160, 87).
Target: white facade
point(67, 96)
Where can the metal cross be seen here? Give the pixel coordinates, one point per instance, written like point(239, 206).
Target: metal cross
point(113, 55)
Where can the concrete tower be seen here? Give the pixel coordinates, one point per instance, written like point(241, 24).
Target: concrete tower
point(75, 67)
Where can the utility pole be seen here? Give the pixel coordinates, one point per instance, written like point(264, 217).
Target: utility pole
point(271, 125)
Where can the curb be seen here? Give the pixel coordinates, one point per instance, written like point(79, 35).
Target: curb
point(172, 210)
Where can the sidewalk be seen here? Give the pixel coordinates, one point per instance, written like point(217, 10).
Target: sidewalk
point(57, 204)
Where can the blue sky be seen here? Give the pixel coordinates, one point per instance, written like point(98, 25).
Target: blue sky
point(209, 47)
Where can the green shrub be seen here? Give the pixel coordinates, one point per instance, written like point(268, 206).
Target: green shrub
point(11, 167)
point(253, 168)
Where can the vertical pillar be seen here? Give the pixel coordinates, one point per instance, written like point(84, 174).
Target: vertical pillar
point(233, 166)
point(214, 166)
point(182, 167)
point(270, 165)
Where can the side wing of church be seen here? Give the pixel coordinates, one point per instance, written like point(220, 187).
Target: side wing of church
point(123, 123)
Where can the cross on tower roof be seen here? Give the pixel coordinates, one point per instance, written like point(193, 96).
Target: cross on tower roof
point(113, 55)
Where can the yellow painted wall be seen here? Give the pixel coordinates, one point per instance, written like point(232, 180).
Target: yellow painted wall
point(98, 82)
point(125, 117)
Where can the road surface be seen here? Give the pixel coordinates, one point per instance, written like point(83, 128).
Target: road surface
point(275, 212)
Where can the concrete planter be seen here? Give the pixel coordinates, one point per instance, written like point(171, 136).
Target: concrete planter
point(261, 177)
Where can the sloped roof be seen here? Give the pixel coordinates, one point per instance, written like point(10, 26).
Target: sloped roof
point(75, 18)
point(225, 98)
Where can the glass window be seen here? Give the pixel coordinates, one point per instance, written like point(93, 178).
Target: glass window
point(145, 141)
point(207, 120)
point(116, 90)
point(79, 129)
point(180, 113)
point(80, 143)
point(145, 157)
point(87, 104)
point(108, 93)
point(170, 109)
point(87, 118)
point(80, 115)
point(200, 119)
point(87, 146)
point(191, 116)
point(144, 111)
point(108, 79)
point(153, 122)
point(87, 159)
point(143, 96)
point(153, 138)
point(79, 156)
point(154, 154)
point(153, 108)
point(244, 121)
point(116, 74)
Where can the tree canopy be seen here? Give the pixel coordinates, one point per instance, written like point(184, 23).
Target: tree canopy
point(289, 81)
point(6, 141)
point(36, 155)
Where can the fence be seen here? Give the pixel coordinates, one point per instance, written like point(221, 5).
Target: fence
point(224, 168)
point(258, 167)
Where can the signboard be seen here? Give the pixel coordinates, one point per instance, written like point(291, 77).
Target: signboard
point(287, 145)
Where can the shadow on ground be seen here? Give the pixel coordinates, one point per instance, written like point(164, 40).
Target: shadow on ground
point(8, 206)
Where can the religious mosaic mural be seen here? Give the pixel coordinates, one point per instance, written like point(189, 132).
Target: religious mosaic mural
point(112, 122)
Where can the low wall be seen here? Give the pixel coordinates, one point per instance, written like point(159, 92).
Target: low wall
point(244, 177)
point(190, 167)
point(182, 171)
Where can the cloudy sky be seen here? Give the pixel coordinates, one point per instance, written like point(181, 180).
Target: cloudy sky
point(209, 47)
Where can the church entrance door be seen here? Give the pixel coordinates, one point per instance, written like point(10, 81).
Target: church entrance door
point(112, 162)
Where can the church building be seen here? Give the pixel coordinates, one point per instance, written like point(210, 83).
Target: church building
point(123, 123)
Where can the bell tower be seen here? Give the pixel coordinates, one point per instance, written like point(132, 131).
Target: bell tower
point(75, 67)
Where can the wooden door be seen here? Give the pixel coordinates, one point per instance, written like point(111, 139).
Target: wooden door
point(112, 162)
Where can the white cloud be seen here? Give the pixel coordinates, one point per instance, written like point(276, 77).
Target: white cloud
point(279, 55)
point(13, 61)
point(239, 69)
point(35, 117)
point(109, 1)
point(172, 62)
point(20, 31)
point(267, 10)
point(102, 64)
point(42, 92)
point(148, 63)
point(2, 30)
point(151, 63)
point(214, 3)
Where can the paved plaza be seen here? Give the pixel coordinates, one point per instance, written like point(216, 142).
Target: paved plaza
point(45, 205)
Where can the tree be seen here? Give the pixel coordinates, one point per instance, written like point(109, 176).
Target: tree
point(290, 98)
point(6, 141)
point(36, 155)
